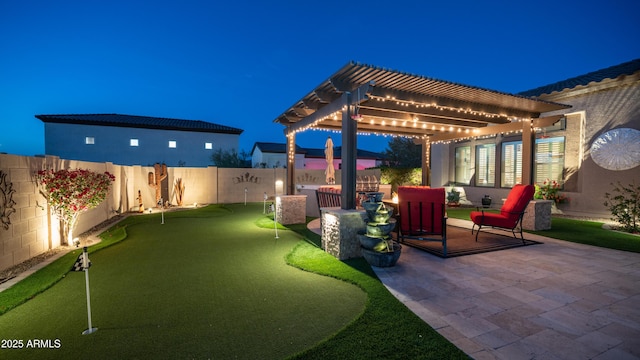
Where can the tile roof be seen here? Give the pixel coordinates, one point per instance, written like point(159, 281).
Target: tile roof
point(271, 147)
point(611, 72)
point(134, 121)
point(337, 153)
point(313, 152)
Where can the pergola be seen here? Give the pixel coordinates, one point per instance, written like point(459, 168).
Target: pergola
point(366, 99)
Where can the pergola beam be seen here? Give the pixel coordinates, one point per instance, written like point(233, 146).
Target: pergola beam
point(498, 129)
point(366, 128)
point(409, 97)
point(381, 112)
point(416, 106)
point(445, 114)
point(331, 108)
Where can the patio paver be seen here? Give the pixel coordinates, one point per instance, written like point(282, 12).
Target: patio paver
point(557, 300)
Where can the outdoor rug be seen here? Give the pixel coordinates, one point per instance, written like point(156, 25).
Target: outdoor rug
point(461, 242)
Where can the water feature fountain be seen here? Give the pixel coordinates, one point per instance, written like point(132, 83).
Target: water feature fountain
point(378, 247)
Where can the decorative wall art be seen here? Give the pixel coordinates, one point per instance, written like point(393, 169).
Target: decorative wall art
point(246, 178)
point(307, 178)
point(617, 149)
point(6, 201)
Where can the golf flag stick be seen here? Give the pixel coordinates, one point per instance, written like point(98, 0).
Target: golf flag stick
point(85, 266)
point(161, 203)
point(264, 203)
point(245, 196)
point(275, 217)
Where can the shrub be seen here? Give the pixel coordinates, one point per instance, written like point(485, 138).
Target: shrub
point(400, 176)
point(549, 190)
point(624, 205)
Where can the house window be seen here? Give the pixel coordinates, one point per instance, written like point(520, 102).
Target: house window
point(208, 146)
point(549, 163)
point(485, 165)
point(89, 140)
point(172, 144)
point(511, 166)
point(133, 142)
point(463, 165)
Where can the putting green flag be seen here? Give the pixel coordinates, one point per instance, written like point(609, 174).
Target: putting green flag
point(79, 265)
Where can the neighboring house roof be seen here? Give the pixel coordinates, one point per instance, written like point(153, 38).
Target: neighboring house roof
point(267, 147)
point(133, 121)
point(611, 72)
point(337, 153)
point(270, 147)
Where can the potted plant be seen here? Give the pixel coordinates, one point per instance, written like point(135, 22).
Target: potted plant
point(550, 190)
point(486, 201)
point(453, 197)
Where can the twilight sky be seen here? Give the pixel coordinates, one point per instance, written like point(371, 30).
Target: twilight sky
point(242, 63)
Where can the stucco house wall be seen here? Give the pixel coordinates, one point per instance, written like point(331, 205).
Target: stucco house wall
point(596, 108)
point(136, 140)
point(113, 144)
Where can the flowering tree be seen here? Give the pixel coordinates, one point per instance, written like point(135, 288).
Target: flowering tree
point(72, 192)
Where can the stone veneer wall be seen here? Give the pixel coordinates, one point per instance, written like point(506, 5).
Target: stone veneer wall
point(292, 209)
point(537, 215)
point(339, 232)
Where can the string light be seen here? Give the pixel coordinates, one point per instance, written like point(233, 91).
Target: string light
point(337, 116)
point(419, 105)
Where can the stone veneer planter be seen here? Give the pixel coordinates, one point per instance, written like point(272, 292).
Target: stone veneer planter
point(537, 215)
point(292, 209)
point(340, 230)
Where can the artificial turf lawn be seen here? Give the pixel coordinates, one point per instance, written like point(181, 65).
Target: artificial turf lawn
point(578, 231)
point(208, 283)
point(386, 330)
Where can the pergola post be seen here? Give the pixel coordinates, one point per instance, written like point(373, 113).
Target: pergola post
point(291, 162)
point(426, 161)
point(528, 149)
point(349, 153)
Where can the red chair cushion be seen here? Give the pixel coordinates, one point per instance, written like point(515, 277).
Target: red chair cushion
point(509, 215)
point(517, 200)
point(415, 196)
point(492, 219)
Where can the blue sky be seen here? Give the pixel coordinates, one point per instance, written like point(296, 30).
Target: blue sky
point(242, 63)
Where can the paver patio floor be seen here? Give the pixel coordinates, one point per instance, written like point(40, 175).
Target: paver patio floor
point(557, 300)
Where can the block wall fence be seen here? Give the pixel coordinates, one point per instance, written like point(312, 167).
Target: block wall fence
point(31, 229)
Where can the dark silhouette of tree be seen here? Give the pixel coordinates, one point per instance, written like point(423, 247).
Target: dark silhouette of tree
point(230, 158)
point(403, 152)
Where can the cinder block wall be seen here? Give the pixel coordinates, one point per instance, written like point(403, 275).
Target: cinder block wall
point(33, 230)
point(24, 231)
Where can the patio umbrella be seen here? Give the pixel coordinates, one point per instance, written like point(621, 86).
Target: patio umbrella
point(328, 154)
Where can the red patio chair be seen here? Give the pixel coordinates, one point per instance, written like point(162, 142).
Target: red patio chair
point(511, 213)
point(422, 214)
